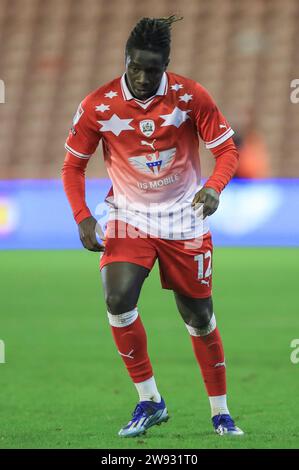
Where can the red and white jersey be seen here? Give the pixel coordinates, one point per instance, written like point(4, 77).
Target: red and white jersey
point(151, 150)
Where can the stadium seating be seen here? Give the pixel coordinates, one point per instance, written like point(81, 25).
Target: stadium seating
point(53, 53)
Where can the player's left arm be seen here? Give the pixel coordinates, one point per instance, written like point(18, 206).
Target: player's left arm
point(216, 133)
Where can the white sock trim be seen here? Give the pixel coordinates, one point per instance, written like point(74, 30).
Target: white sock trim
point(148, 391)
point(203, 331)
point(124, 319)
point(219, 405)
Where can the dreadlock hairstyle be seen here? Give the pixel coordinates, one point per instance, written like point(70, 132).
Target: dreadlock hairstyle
point(152, 34)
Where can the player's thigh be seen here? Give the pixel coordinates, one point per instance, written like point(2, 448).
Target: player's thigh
point(186, 266)
point(122, 282)
point(125, 263)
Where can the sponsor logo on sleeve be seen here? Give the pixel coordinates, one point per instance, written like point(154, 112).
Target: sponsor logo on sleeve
point(78, 115)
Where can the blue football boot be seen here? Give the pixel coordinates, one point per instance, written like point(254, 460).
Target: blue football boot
point(145, 415)
point(224, 425)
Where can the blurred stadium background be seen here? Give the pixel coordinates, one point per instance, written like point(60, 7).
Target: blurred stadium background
point(53, 53)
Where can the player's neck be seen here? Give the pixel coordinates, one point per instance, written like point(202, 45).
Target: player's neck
point(133, 94)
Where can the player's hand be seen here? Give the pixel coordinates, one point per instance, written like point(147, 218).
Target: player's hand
point(87, 231)
point(210, 200)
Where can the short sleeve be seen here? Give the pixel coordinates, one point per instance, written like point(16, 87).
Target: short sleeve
point(212, 126)
point(84, 135)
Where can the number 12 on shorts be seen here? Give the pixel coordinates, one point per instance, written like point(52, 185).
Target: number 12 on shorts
point(200, 265)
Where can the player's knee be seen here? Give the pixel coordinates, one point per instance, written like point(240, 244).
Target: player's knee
point(204, 317)
point(118, 303)
point(201, 317)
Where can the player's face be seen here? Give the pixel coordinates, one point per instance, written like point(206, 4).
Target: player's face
point(144, 70)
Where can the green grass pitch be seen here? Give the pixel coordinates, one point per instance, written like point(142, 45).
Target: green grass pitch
point(63, 384)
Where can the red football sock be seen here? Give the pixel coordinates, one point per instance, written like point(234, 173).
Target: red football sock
point(131, 342)
point(209, 353)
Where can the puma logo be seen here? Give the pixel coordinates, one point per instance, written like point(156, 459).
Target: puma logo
point(219, 364)
point(128, 355)
point(143, 142)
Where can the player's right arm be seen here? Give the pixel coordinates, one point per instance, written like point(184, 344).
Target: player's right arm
point(81, 143)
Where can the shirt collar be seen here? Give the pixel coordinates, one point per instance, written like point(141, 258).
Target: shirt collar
point(162, 90)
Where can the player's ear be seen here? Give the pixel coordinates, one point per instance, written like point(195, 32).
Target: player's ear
point(166, 64)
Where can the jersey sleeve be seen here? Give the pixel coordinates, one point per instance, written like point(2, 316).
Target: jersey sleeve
point(212, 126)
point(84, 135)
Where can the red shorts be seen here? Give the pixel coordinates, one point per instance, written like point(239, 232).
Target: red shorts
point(185, 265)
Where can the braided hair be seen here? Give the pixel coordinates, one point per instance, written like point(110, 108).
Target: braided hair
point(152, 34)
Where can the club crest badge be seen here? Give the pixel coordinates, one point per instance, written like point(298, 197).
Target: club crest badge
point(147, 127)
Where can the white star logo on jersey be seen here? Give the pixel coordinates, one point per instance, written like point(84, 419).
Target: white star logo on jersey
point(176, 87)
point(116, 125)
point(185, 97)
point(176, 118)
point(111, 94)
point(153, 163)
point(102, 107)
